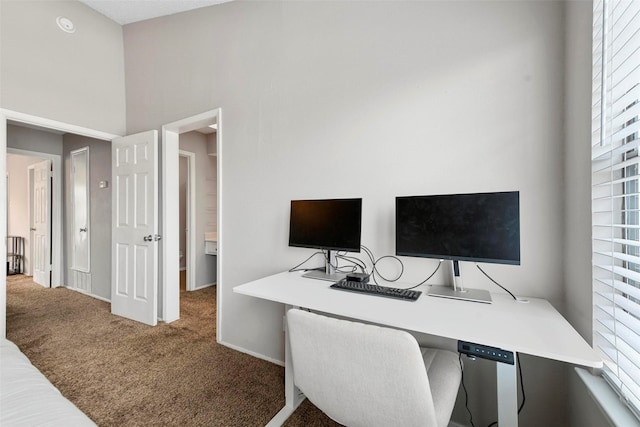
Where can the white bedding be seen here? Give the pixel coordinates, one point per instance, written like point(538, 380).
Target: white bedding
point(27, 398)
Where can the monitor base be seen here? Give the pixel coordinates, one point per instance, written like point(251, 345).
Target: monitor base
point(321, 275)
point(475, 295)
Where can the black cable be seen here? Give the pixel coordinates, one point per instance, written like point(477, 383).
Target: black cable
point(327, 259)
point(372, 259)
point(489, 277)
point(369, 253)
point(325, 255)
point(375, 270)
point(346, 269)
point(291, 270)
point(425, 280)
point(521, 383)
point(342, 255)
point(356, 261)
point(466, 395)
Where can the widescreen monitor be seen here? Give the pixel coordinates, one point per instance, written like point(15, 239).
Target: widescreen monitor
point(327, 224)
point(477, 227)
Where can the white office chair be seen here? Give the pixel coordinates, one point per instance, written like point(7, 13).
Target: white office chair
point(366, 375)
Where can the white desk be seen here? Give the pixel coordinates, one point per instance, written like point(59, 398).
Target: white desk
point(534, 328)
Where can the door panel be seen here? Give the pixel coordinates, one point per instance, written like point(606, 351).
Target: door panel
point(41, 223)
point(135, 238)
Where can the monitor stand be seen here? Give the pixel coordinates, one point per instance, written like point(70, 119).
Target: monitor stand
point(329, 273)
point(475, 295)
point(457, 291)
point(321, 275)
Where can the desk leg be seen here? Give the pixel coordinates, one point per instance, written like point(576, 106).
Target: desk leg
point(293, 396)
point(507, 382)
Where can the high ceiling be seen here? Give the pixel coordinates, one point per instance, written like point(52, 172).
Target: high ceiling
point(128, 11)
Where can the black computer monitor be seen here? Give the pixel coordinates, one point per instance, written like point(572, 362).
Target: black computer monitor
point(328, 224)
point(478, 227)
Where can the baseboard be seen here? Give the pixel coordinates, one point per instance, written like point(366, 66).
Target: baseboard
point(87, 293)
point(100, 298)
point(251, 353)
point(197, 288)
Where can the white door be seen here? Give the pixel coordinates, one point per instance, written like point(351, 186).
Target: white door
point(134, 223)
point(41, 223)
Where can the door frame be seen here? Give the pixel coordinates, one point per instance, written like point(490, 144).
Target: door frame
point(190, 245)
point(7, 116)
point(170, 277)
point(55, 211)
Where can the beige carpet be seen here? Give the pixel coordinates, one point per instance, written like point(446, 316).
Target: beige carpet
point(123, 373)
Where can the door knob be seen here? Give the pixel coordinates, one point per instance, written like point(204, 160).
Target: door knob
point(83, 230)
point(148, 238)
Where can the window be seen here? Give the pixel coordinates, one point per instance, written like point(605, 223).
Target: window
point(616, 193)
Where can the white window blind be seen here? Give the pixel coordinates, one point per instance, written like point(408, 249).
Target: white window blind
point(616, 193)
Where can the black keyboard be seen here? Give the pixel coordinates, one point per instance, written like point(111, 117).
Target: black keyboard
point(383, 291)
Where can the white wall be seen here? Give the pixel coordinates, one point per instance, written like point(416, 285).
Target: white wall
point(375, 100)
point(577, 186)
point(577, 191)
point(73, 78)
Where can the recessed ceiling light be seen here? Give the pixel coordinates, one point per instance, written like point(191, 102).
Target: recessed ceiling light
point(65, 24)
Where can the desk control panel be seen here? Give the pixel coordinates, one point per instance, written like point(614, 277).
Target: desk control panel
point(485, 352)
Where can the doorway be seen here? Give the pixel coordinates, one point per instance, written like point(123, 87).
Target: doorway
point(21, 221)
point(169, 300)
point(8, 117)
point(168, 295)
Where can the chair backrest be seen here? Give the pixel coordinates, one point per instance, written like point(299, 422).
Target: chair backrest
point(359, 374)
